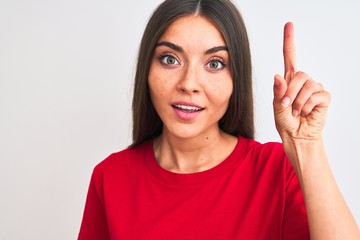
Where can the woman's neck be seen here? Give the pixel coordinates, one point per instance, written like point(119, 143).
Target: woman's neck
point(195, 154)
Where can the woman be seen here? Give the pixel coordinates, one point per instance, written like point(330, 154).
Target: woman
point(194, 170)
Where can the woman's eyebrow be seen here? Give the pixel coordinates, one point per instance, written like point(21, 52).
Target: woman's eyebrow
point(171, 45)
point(180, 49)
point(216, 49)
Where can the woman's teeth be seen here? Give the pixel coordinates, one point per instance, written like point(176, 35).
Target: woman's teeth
point(187, 108)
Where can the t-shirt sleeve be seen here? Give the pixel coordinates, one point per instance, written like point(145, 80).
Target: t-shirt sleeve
point(94, 224)
point(295, 225)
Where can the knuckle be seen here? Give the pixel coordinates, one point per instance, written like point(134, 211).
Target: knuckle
point(321, 85)
point(327, 96)
point(305, 112)
point(298, 104)
point(302, 74)
point(315, 86)
point(311, 101)
point(312, 84)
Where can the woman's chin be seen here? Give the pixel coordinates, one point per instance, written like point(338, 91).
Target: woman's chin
point(186, 132)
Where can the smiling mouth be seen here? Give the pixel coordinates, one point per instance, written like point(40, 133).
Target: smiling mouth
point(186, 108)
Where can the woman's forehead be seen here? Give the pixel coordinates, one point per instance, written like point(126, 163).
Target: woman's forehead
point(193, 31)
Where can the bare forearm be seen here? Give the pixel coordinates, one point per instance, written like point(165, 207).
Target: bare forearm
point(328, 215)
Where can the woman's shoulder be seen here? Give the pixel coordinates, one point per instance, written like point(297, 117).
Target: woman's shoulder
point(267, 151)
point(267, 159)
point(258, 147)
point(124, 158)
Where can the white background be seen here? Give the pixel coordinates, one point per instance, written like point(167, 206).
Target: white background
point(66, 70)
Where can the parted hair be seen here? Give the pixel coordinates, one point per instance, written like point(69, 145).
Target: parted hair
point(239, 116)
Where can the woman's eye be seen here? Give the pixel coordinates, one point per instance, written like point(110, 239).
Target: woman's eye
point(216, 65)
point(169, 60)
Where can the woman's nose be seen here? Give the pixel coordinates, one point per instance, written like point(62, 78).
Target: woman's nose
point(190, 79)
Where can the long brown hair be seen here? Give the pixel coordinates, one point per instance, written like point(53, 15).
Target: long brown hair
point(239, 117)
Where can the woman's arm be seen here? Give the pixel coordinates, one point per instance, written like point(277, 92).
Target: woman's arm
point(300, 107)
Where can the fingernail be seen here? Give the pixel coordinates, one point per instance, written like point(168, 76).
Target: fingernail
point(286, 101)
point(295, 113)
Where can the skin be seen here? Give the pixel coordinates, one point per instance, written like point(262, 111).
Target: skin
point(190, 66)
point(300, 106)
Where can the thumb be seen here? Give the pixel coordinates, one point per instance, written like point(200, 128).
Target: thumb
point(280, 88)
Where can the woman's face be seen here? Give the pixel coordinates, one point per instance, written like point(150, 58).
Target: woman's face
point(189, 79)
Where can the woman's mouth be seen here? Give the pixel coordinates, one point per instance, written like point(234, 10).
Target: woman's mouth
point(187, 108)
point(187, 112)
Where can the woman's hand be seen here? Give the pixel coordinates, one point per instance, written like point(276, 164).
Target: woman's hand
point(300, 103)
point(300, 106)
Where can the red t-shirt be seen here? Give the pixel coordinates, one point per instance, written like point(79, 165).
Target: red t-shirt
point(253, 194)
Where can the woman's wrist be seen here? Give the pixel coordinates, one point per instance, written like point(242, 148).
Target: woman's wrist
point(307, 156)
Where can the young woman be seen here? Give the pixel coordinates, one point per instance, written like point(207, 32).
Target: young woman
point(194, 170)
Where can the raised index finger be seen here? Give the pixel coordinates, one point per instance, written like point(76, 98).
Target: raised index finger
point(289, 51)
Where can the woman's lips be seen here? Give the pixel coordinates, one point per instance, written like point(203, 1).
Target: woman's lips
point(186, 111)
